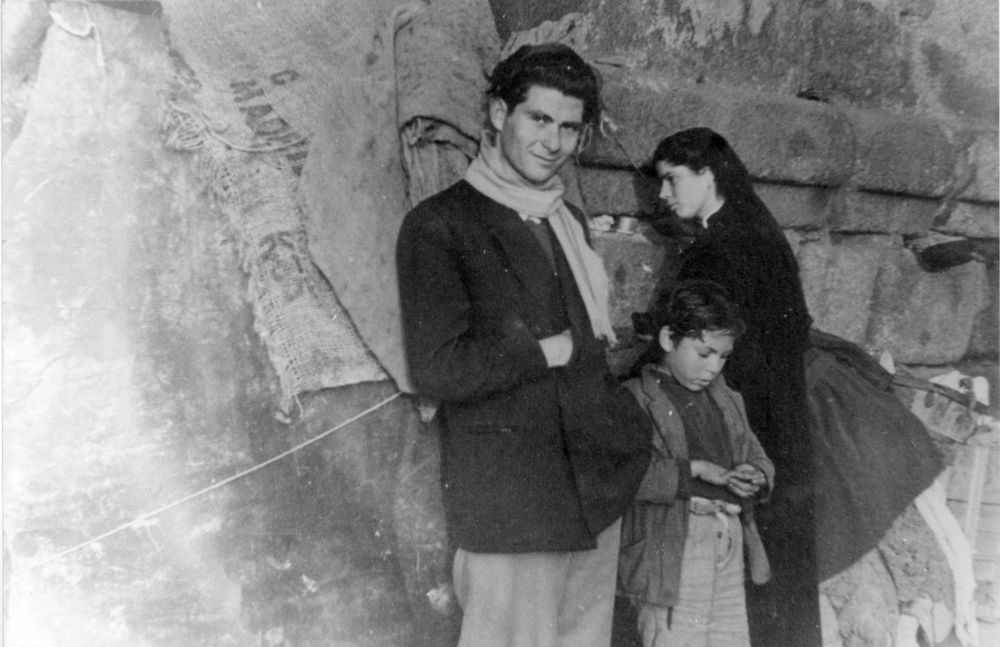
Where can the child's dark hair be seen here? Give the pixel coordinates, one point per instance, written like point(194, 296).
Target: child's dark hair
point(696, 306)
point(550, 65)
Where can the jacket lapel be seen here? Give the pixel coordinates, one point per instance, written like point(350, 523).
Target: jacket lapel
point(665, 416)
point(731, 415)
point(521, 253)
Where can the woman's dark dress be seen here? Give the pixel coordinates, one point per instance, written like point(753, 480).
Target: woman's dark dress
point(744, 250)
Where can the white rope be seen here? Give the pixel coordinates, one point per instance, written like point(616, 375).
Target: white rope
point(143, 517)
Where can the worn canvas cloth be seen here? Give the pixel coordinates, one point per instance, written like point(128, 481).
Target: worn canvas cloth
point(357, 201)
point(358, 109)
point(257, 99)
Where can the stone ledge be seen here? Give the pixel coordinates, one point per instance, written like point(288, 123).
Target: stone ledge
point(971, 219)
point(607, 190)
point(881, 212)
point(783, 140)
point(791, 140)
point(901, 154)
point(799, 207)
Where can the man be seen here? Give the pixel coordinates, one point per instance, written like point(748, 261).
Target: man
point(506, 322)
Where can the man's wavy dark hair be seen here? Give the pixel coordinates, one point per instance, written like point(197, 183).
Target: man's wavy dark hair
point(550, 65)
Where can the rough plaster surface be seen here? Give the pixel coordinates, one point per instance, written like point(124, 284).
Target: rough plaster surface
point(134, 377)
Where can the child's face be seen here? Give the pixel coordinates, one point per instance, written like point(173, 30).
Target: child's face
point(694, 363)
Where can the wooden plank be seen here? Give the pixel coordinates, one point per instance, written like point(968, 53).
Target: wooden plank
point(987, 540)
point(961, 479)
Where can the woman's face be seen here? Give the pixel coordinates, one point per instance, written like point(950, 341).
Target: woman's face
point(688, 193)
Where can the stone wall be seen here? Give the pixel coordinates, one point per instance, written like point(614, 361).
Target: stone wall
point(867, 125)
point(870, 128)
point(850, 186)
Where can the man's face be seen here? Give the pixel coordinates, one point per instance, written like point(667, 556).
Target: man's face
point(540, 133)
point(694, 363)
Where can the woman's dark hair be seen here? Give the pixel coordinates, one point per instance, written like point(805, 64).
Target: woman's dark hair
point(696, 306)
point(550, 65)
point(700, 148)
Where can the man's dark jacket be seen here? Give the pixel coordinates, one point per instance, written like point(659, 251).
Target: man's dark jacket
point(533, 458)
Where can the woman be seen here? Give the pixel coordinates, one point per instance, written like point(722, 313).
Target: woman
point(741, 247)
point(848, 456)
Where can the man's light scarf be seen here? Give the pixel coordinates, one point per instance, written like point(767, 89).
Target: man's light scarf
point(492, 175)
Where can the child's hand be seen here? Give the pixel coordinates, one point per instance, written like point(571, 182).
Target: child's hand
point(748, 472)
point(745, 480)
point(710, 472)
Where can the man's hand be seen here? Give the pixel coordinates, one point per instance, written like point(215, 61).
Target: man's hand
point(557, 348)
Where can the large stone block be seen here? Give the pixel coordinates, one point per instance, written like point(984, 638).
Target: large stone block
point(885, 213)
point(646, 109)
point(615, 190)
point(788, 140)
point(800, 207)
point(838, 277)
point(928, 55)
point(984, 342)
point(791, 140)
point(924, 317)
point(902, 154)
point(606, 190)
point(983, 155)
point(517, 15)
point(971, 219)
point(637, 265)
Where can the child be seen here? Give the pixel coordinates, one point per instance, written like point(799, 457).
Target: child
point(681, 559)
